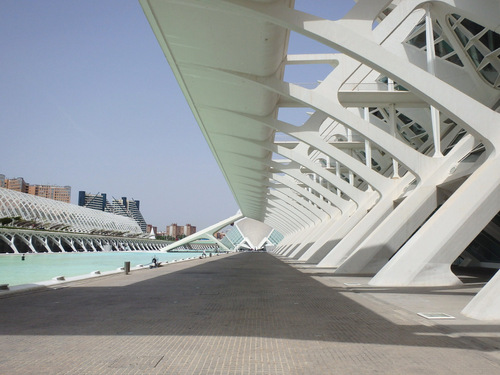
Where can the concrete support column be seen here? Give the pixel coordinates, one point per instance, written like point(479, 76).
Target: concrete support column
point(295, 243)
point(349, 242)
point(368, 147)
point(10, 242)
point(45, 242)
point(70, 243)
point(290, 248)
point(289, 242)
point(82, 244)
point(92, 245)
point(431, 59)
point(311, 237)
point(380, 244)
point(337, 173)
point(381, 233)
point(392, 122)
point(27, 242)
point(349, 139)
point(486, 304)
point(332, 237)
point(426, 258)
point(57, 242)
point(328, 166)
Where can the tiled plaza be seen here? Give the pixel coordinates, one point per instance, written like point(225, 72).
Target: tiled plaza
point(245, 313)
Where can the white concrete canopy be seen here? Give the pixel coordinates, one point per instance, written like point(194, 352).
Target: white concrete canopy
point(410, 106)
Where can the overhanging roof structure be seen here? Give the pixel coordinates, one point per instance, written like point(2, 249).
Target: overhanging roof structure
point(395, 171)
point(210, 52)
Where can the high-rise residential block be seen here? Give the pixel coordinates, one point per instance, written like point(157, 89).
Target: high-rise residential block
point(175, 230)
point(58, 193)
point(17, 184)
point(122, 206)
point(94, 201)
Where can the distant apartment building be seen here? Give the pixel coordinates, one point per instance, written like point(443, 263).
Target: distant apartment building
point(58, 193)
point(175, 230)
point(16, 184)
point(94, 201)
point(133, 207)
point(122, 206)
point(189, 229)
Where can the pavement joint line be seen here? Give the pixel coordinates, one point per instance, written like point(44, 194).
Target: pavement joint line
point(267, 317)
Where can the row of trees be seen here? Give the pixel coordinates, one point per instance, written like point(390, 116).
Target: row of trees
point(18, 222)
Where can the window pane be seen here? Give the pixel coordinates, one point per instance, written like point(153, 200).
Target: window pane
point(473, 27)
point(443, 49)
point(490, 74)
point(491, 40)
point(475, 55)
point(455, 60)
point(461, 36)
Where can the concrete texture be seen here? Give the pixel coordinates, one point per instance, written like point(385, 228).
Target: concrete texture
point(245, 313)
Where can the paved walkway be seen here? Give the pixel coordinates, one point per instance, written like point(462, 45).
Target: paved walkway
point(246, 313)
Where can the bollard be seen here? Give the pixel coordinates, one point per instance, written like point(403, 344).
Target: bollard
point(127, 268)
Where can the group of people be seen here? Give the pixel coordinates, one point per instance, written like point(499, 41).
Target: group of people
point(204, 254)
point(155, 263)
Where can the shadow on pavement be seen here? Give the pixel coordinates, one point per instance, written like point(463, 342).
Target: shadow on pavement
point(247, 294)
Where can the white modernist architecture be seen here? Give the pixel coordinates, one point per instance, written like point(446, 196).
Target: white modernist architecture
point(393, 168)
point(40, 225)
point(51, 214)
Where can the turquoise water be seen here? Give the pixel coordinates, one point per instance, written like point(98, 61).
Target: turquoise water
point(43, 267)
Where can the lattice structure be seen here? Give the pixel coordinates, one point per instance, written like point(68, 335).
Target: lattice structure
point(54, 215)
point(394, 169)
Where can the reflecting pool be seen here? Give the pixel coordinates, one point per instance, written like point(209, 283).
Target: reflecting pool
point(43, 267)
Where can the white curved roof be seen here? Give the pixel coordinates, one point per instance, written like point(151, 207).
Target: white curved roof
point(201, 44)
point(50, 213)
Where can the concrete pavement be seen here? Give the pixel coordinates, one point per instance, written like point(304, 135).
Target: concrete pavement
point(245, 313)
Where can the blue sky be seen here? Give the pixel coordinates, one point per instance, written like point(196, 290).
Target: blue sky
point(88, 100)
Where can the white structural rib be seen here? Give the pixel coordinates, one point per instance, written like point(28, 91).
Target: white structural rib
point(395, 171)
point(51, 213)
